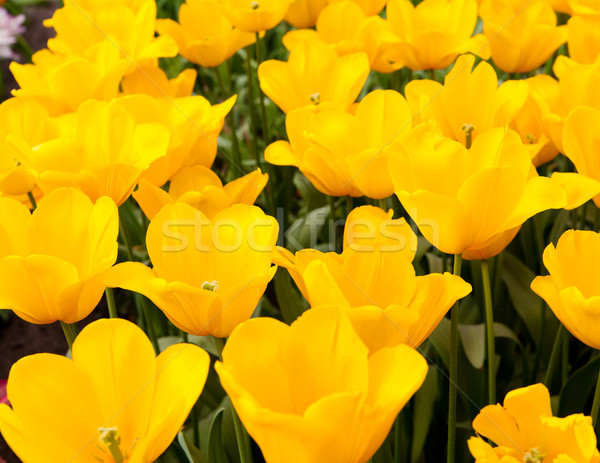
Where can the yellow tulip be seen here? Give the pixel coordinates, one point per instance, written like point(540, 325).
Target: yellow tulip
point(62, 83)
point(522, 34)
point(314, 75)
point(493, 189)
point(100, 150)
point(543, 95)
point(578, 85)
point(369, 7)
point(343, 153)
point(571, 290)
point(194, 126)
point(153, 81)
point(374, 282)
point(53, 261)
point(346, 26)
point(468, 97)
point(208, 275)
point(304, 13)
point(115, 401)
point(302, 400)
point(204, 35)
point(201, 188)
point(525, 430)
point(581, 142)
point(583, 7)
point(80, 28)
point(432, 34)
point(584, 38)
point(254, 15)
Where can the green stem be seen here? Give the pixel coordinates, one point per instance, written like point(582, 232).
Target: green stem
point(263, 112)
point(397, 440)
point(489, 330)
point(383, 204)
point(349, 204)
point(241, 435)
point(25, 47)
point(331, 201)
point(596, 403)
point(237, 155)
point(253, 144)
point(565, 360)
point(432, 74)
point(69, 333)
point(110, 301)
point(555, 357)
point(453, 369)
point(32, 201)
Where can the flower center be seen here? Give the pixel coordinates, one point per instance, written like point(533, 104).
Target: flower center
point(315, 98)
point(255, 5)
point(531, 139)
point(111, 440)
point(210, 285)
point(468, 130)
point(534, 456)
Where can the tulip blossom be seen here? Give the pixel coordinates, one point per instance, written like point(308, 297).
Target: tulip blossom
point(432, 34)
point(101, 150)
point(528, 122)
point(304, 13)
point(254, 15)
point(301, 401)
point(571, 290)
point(584, 38)
point(525, 430)
point(369, 7)
point(477, 210)
point(82, 26)
point(581, 142)
point(374, 282)
point(470, 97)
point(114, 402)
point(522, 35)
point(201, 188)
point(204, 35)
point(208, 275)
point(343, 153)
point(52, 261)
point(578, 85)
point(346, 26)
point(314, 75)
point(153, 81)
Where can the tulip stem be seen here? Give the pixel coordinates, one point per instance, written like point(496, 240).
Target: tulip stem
point(225, 93)
point(332, 234)
point(596, 403)
point(263, 112)
point(453, 369)
point(253, 144)
point(489, 330)
point(241, 434)
point(69, 332)
point(555, 357)
point(110, 301)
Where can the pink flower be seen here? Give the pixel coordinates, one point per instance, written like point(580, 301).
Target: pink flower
point(10, 28)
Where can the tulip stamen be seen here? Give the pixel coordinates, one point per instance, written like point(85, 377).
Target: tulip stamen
point(534, 456)
point(531, 139)
point(210, 286)
point(255, 5)
point(468, 130)
point(315, 98)
point(111, 439)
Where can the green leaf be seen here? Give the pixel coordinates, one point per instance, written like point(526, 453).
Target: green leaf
point(193, 454)
point(440, 338)
point(291, 303)
point(518, 277)
point(205, 342)
point(577, 389)
point(473, 340)
point(303, 232)
point(216, 453)
point(425, 400)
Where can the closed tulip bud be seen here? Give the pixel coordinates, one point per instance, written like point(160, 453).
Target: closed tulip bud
point(53, 261)
point(525, 430)
point(493, 189)
point(115, 401)
point(153, 81)
point(254, 15)
point(526, 28)
point(333, 80)
point(432, 34)
point(571, 290)
point(208, 275)
point(203, 34)
point(201, 188)
point(300, 401)
point(584, 38)
point(304, 13)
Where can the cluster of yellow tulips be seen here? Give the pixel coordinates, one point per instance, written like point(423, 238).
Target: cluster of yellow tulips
point(116, 173)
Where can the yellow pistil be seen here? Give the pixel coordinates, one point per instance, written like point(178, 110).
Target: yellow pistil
point(255, 5)
point(534, 456)
point(210, 285)
point(468, 130)
point(111, 439)
point(315, 98)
